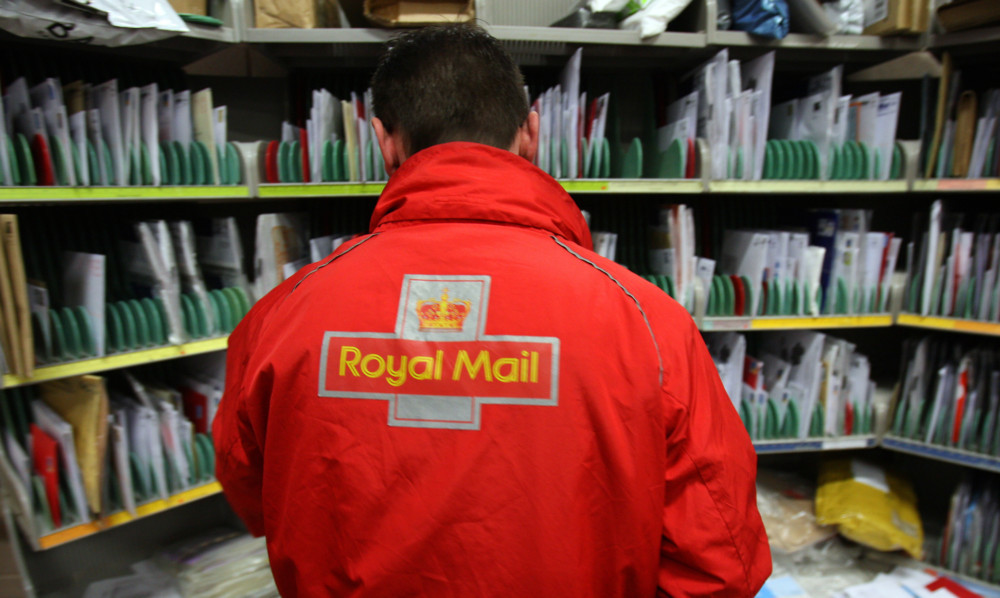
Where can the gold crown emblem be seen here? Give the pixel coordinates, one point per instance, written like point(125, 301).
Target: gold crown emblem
point(443, 315)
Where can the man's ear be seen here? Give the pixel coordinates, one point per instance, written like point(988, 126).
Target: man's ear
point(391, 145)
point(526, 140)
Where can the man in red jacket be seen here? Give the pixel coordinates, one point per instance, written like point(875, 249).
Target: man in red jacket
point(468, 401)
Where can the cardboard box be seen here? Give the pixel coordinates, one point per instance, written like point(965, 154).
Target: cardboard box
point(921, 16)
point(190, 7)
point(889, 16)
point(960, 15)
point(413, 13)
point(295, 14)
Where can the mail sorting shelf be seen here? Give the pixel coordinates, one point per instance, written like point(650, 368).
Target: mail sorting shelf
point(75, 532)
point(117, 361)
point(805, 445)
point(949, 324)
point(942, 453)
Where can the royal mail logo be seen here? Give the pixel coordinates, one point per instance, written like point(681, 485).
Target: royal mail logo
point(438, 367)
point(442, 314)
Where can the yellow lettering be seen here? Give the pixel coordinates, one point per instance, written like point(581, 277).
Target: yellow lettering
point(523, 369)
point(373, 357)
point(396, 376)
point(482, 362)
point(511, 364)
point(438, 361)
point(351, 363)
point(427, 367)
point(534, 366)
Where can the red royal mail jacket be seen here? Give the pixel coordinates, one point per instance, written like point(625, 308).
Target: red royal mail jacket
point(469, 402)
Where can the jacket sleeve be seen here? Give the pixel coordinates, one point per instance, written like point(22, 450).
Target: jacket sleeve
point(714, 543)
point(240, 424)
point(238, 456)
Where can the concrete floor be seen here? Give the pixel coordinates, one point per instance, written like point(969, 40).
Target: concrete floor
point(10, 579)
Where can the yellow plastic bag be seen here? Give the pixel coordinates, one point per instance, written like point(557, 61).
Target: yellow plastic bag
point(870, 506)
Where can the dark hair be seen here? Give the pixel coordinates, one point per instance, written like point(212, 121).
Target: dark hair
point(449, 83)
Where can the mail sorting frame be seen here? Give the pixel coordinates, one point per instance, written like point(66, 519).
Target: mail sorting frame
point(53, 568)
point(529, 43)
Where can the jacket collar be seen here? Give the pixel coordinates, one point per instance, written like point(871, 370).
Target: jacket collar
point(469, 181)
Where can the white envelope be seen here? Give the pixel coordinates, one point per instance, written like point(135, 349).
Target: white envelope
point(784, 121)
point(78, 133)
point(758, 75)
point(165, 115)
point(107, 101)
point(150, 128)
point(84, 282)
point(183, 130)
point(204, 131)
point(744, 253)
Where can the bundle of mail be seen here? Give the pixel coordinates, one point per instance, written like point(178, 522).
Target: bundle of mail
point(79, 134)
point(728, 106)
point(949, 395)
point(89, 285)
point(80, 448)
point(965, 135)
point(910, 580)
point(284, 244)
point(840, 136)
point(813, 561)
point(795, 384)
point(337, 144)
point(572, 142)
point(970, 541)
point(822, 136)
point(221, 563)
point(953, 270)
point(835, 266)
point(103, 23)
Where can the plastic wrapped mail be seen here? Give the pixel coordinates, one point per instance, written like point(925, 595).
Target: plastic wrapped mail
point(785, 503)
point(220, 564)
point(653, 16)
point(106, 23)
point(870, 506)
point(648, 17)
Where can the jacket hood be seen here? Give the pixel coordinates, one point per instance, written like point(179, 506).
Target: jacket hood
point(474, 182)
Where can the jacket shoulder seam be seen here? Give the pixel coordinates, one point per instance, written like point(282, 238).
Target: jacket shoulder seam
point(333, 258)
point(635, 300)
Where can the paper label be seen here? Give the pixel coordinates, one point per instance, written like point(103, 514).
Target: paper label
point(875, 11)
point(869, 475)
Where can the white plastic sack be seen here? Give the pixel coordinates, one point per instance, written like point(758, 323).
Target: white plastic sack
point(126, 22)
point(653, 16)
point(607, 5)
point(849, 15)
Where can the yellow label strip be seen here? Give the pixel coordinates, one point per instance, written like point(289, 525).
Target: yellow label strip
point(120, 193)
point(957, 324)
point(777, 323)
point(319, 189)
point(112, 362)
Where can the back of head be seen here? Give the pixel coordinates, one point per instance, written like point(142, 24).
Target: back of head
point(449, 83)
